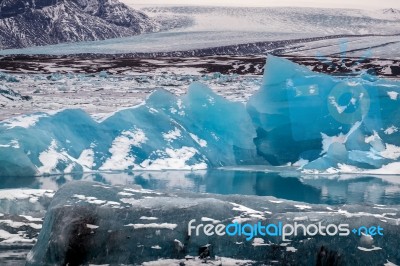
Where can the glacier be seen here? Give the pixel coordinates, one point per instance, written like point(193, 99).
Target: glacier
point(313, 122)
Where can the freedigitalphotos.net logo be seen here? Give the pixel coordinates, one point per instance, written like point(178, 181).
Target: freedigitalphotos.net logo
point(279, 229)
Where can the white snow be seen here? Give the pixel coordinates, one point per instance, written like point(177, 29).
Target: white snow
point(15, 224)
point(276, 201)
point(291, 249)
point(369, 249)
point(50, 158)
point(120, 151)
point(94, 200)
point(172, 135)
point(199, 141)
point(393, 95)
point(154, 225)
point(174, 159)
point(193, 261)
point(389, 263)
point(391, 152)
point(389, 169)
point(148, 218)
point(257, 242)
point(303, 207)
point(390, 130)
point(86, 159)
point(25, 121)
point(32, 219)
point(244, 209)
point(21, 194)
point(14, 238)
point(92, 226)
point(125, 194)
point(327, 141)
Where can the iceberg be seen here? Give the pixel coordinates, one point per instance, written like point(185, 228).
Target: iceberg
point(315, 122)
point(89, 223)
point(325, 119)
point(195, 131)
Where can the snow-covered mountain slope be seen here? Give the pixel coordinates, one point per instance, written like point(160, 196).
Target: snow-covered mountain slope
point(317, 21)
point(42, 22)
point(392, 11)
point(202, 31)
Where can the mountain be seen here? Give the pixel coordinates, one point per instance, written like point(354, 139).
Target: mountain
point(25, 23)
point(391, 11)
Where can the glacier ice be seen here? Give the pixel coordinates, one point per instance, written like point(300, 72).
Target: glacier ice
point(89, 223)
point(328, 123)
point(197, 130)
point(21, 217)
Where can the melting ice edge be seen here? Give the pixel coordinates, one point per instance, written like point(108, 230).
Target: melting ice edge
point(320, 124)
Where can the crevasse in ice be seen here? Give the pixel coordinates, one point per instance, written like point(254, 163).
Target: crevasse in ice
point(329, 124)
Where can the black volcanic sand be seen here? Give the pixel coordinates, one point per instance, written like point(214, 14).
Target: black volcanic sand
point(225, 64)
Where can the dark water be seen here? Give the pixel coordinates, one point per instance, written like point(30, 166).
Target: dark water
point(332, 190)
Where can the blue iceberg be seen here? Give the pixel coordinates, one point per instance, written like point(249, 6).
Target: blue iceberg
point(334, 123)
point(89, 223)
point(195, 131)
point(315, 122)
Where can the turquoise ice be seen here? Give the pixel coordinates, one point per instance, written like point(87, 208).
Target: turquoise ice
point(314, 122)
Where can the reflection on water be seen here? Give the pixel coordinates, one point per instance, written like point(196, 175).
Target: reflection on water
point(286, 185)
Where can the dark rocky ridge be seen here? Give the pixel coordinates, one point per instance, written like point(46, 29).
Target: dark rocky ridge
point(225, 64)
point(42, 22)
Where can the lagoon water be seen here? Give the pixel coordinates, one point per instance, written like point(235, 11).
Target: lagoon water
point(285, 184)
